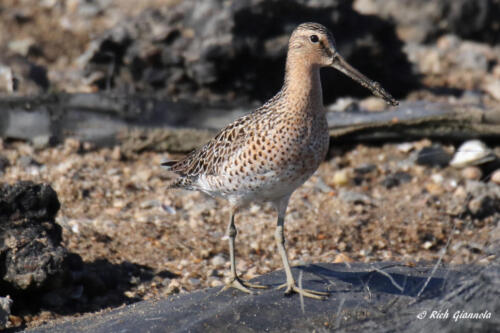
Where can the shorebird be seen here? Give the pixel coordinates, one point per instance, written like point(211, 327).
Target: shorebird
point(265, 155)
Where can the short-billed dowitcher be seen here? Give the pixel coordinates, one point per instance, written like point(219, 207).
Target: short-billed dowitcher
point(266, 155)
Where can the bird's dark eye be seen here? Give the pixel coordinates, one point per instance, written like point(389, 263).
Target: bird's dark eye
point(314, 38)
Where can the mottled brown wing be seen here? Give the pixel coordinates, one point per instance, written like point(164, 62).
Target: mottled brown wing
point(208, 158)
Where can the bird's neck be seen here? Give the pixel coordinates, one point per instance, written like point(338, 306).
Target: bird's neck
point(302, 86)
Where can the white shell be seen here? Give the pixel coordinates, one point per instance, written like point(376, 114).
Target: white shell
point(473, 152)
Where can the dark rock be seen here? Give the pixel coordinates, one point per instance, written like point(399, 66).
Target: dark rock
point(433, 156)
point(4, 163)
point(424, 21)
point(365, 168)
point(396, 179)
point(218, 50)
point(31, 256)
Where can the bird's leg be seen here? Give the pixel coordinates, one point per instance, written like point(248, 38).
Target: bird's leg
point(235, 281)
point(280, 241)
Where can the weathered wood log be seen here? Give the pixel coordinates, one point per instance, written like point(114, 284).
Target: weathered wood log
point(416, 120)
point(151, 123)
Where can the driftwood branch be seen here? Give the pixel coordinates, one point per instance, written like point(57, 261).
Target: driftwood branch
point(150, 123)
point(417, 120)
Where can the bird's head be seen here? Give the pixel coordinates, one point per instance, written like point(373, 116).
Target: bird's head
point(314, 45)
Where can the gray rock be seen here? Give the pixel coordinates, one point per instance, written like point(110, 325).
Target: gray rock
point(424, 21)
point(5, 304)
point(216, 50)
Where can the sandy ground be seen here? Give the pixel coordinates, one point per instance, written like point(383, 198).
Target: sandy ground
point(119, 210)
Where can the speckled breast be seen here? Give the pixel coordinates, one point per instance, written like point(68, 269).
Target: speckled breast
point(275, 161)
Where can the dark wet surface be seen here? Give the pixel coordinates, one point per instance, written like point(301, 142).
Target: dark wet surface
point(360, 293)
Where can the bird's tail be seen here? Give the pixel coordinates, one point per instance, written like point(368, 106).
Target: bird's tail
point(180, 181)
point(168, 164)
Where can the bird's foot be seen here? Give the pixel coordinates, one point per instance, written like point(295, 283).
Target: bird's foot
point(292, 288)
point(242, 285)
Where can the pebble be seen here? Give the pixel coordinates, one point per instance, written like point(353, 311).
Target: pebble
point(6, 79)
point(356, 198)
point(21, 46)
point(496, 71)
point(396, 179)
point(365, 168)
point(216, 283)
point(475, 206)
point(194, 281)
point(342, 258)
point(495, 177)
point(430, 62)
point(41, 141)
point(343, 105)
point(472, 172)
point(434, 188)
point(340, 178)
point(460, 193)
point(149, 204)
point(322, 186)
point(492, 87)
point(427, 245)
point(169, 209)
point(213, 273)
point(142, 175)
point(173, 287)
point(255, 245)
point(472, 152)
point(71, 146)
point(373, 104)
point(433, 156)
point(405, 147)
point(218, 261)
point(116, 154)
point(437, 178)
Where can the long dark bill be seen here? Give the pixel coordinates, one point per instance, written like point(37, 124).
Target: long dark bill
point(343, 66)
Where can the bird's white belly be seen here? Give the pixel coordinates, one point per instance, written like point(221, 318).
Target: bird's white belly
point(269, 186)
